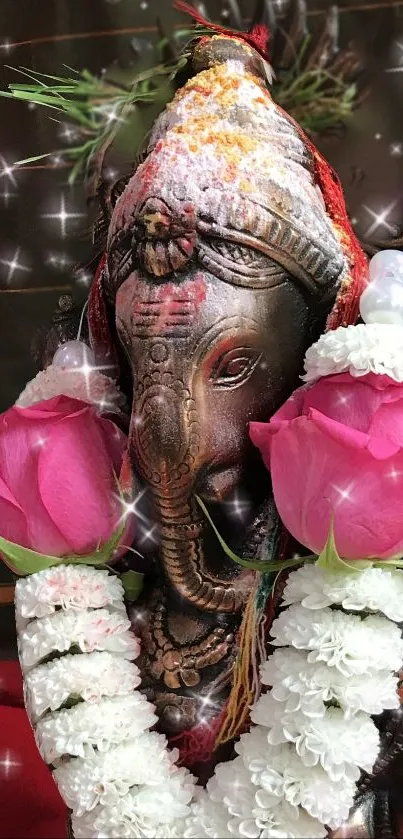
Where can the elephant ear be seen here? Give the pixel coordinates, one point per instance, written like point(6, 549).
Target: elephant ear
point(103, 335)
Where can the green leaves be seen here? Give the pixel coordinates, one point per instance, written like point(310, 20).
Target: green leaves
point(246, 563)
point(98, 107)
point(23, 561)
point(330, 560)
point(316, 98)
point(132, 584)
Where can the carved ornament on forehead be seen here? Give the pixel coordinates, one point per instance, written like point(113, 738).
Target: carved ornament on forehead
point(164, 239)
point(167, 309)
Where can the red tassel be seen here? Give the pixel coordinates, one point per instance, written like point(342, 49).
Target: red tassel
point(346, 309)
point(258, 37)
point(98, 319)
point(196, 745)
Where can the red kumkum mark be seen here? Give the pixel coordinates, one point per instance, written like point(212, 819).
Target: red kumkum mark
point(170, 306)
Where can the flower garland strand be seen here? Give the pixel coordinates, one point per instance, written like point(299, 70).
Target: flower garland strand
point(90, 722)
point(338, 632)
point(313, 730)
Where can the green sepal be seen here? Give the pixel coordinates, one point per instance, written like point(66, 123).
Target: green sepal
point(331, 561)
point(133, 584)
point(23, 561)
point(247, 563)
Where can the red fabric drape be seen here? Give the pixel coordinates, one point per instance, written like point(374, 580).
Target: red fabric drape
point(30, 805)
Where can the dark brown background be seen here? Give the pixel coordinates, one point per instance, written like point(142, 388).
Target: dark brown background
point(36, 261)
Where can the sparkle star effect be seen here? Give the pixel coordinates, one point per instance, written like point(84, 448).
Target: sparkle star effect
point(59, 260)
point(111, 174)
point(343, 398)
point(139, 616)
point(380, 219)
point(63, 216)
point(7, 45)
point(7, 171)
point(56, 159)
point(149, 536)
point(7, 763)
point(6, 195)
point(40, 442)
point(238, 506)
point(394, 474)
point(396, 149)
point(344, 493)
point(205, 703)
point(110, 113)
point(130, 508)
point(87, 370)
point(14, 265)
point(68, 133)
point(84, 278)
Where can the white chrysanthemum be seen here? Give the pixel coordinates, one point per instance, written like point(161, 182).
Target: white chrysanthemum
point(258, 816)
point(305, 686)
point(96, 388)
point(90, 676)
point(340, 745)
point(259, 755)
point(372, 589)
point(208, 819)
point(351, 644)
point(66, 587)
point(280, 771)
point(105, 777)
point(89, 630)
point(288, 823)
point(103, 724)
point(358, 350)
point(146, 811)
point(254, 811)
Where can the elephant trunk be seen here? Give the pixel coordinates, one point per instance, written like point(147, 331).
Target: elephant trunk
point(165, 448)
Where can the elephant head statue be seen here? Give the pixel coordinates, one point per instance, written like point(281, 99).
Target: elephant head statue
point(226, 252)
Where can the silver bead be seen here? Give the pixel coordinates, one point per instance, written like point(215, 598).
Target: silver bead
point(74, 354)
point(382, 300)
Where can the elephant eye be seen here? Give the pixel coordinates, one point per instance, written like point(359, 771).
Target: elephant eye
point(235, 367)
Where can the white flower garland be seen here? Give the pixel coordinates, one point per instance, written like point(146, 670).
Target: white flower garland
point(358, 350)
point(296, 770)
point(89, 630)
point(118, 778)
point(96, 388)
point(312, 733)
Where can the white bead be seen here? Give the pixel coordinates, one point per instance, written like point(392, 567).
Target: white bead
point(382, 300)
point(73, 354)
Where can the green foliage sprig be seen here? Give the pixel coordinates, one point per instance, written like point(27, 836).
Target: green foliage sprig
point(99, 107)
point(317, 98)
point(96, 106)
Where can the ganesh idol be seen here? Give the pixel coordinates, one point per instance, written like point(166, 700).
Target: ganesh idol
point(229, 252)
point(225, 255)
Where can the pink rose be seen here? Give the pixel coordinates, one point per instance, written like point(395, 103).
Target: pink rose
point(58, 462)
point(336, 449)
